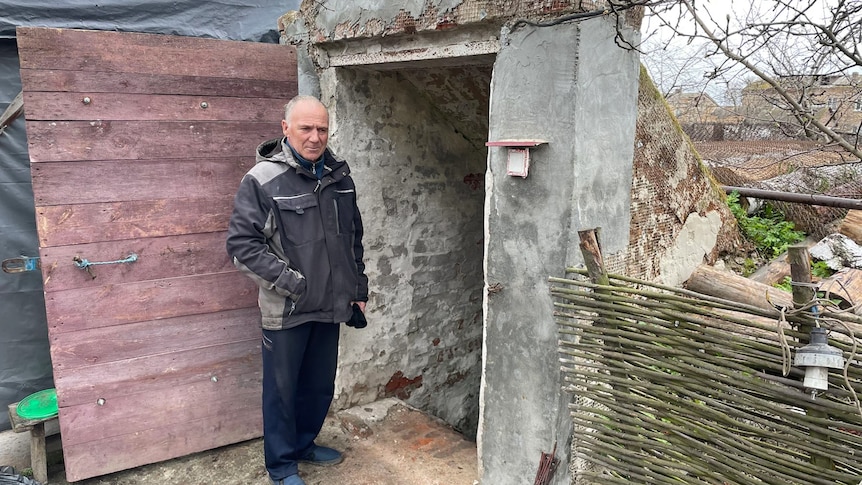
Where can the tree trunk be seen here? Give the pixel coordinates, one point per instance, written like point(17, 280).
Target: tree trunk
point(731, 286)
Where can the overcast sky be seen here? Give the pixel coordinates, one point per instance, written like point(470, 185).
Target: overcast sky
point(664, 49)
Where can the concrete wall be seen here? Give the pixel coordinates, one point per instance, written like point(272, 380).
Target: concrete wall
point(407, 89)
point(548, 85)
point(422, 211)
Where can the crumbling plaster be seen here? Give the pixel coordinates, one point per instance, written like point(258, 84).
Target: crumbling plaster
point(335, 20)
point(679, 217)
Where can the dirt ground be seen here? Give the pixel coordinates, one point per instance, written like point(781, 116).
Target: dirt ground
point(385, 443)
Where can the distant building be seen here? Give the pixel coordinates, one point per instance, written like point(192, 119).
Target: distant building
point(700, 108)
point(834, 100)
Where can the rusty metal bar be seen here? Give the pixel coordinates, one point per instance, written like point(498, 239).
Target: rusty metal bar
point(810, 199)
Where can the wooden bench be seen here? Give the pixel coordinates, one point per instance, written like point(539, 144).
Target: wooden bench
point(36, 427)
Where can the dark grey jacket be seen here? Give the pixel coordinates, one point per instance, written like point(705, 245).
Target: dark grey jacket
point(298, 238)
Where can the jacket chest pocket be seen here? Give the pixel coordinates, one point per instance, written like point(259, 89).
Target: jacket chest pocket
point(299, 217)
point(344, 203)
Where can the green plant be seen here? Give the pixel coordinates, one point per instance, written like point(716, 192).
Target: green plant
point(749, 267)
point(767, 229)
point(821, 270)
point(784, 285)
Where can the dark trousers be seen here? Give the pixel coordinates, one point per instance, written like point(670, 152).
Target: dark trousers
point(298, 384)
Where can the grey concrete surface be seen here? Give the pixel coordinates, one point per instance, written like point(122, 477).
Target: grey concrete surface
point(384, 443)
point(571, 86)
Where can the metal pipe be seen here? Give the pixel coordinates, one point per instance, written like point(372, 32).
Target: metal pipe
point(810, 199)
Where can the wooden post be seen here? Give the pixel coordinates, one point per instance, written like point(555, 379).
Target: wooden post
point(595, 264)
point(38, 454)
point(593, 257)
point(800, 272)
point(36, 428)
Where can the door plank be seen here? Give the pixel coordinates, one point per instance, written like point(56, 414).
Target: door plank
point(89, 50)
point(67, 182)
point(158, 258)
point(154, 337)
point(119, 221)
point(135, 140)
point(156, 373)
point(49, 80)
point(134, 412)
point(145, 107)
point(89, 308)
point(159, 444)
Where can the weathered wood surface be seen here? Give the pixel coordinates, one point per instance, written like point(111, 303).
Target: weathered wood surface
point(158, 258)
point(147, 107)
point(145, 140)
point(89, 308)
point(71, 183)
point(62, 225)
point(846, 285)
point(727, 285)
point(153, 337)
point(120, 413)
point(800, 271)
point(101, 51)
point(50, 80)
point(161, 443)
point(161, 357)
point(593, 259)
point(157, 372)
point(851, 226)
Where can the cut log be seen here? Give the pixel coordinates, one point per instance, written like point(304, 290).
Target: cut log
point(845, 285)
point(730, 286)
point(851, 226)
point(778, 268)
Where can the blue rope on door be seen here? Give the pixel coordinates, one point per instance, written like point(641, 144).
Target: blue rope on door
point(84, 263)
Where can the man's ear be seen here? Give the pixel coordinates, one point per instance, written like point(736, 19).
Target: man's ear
point(284, 127)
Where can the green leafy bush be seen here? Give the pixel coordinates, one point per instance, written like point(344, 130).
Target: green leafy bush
point(821, 269)
point(767, 229)
point(784, 285)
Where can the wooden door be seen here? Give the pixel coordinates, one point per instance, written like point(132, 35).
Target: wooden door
point(137, 144)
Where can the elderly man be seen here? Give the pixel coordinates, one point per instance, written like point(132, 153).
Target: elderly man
point(296, 231)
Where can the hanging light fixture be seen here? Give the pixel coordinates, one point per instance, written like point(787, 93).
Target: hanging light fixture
point(818, 357)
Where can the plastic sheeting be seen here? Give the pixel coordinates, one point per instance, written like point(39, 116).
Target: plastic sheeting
point(249, 20)
point(25, 363)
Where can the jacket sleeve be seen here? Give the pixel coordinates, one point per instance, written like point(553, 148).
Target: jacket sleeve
point(251, 226)
point(359, 253)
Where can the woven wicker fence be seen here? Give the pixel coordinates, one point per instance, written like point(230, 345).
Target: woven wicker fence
point(673, 387)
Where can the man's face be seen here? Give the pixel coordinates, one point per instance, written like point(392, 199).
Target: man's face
point(307, 130)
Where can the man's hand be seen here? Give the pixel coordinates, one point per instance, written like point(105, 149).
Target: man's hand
point(361, 305)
